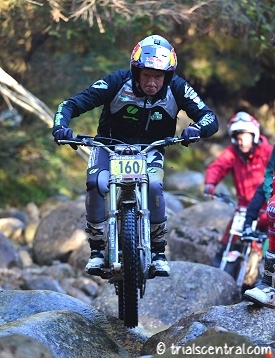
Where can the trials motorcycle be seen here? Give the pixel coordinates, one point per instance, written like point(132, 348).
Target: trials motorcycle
point(243, 255)
point(128, 257)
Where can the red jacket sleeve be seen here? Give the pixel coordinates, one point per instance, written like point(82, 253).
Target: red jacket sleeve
point(216, 171)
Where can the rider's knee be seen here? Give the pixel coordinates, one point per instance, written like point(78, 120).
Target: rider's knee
point(156, 187)
point(98, 181)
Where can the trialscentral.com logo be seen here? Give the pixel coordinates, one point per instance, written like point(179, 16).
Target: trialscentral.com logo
point(194, 349)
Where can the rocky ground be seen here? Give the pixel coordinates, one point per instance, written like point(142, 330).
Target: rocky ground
point(50, 304)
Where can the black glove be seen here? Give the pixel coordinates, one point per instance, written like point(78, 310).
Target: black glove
point(63, 133)
point(191, 134)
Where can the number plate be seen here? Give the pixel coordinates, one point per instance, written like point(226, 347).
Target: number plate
point(127, 167)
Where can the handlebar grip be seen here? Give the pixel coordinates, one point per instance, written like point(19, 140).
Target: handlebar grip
point(74, 140)
point(196, 138)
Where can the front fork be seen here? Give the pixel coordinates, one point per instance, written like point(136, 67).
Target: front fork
point(113, 230)
point(243, 265)
point(226, 251)
point(144, 232)
point(144, 242)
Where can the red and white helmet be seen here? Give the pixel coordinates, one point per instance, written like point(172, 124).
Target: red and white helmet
point(243, 122)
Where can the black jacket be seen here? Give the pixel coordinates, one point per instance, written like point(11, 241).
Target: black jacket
point(262, 193)
point(130, 116)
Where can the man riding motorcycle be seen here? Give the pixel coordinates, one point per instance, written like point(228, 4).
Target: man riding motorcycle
point(245, 159)
point(140, 105)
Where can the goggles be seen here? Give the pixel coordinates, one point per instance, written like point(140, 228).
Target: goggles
point(247, 118)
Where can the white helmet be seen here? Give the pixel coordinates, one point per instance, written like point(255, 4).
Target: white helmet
point(243, 122)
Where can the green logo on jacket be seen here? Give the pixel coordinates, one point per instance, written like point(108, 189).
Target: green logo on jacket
point(131, 110)
point(156, 116)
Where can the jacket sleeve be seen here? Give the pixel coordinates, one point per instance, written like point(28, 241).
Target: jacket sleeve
point(254, 206)
point(216, 171)
point(97, 94)
point(189, 101)
point(268, 175)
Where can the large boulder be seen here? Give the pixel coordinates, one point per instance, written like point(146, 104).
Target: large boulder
point(16, 304)
point(214, 343)
point(195, 232)
point(22, 346)
point(60, 232)
point(8, 254)
point(66, 325)
point(189, 288)
point(67, 334)
point(245, 319)
point(12, 228)
point(189, 182)
point(209, 213)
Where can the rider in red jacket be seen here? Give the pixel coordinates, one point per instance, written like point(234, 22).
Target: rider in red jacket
point(245, 159)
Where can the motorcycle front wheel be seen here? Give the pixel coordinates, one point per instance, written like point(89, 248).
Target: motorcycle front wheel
point(130, 264)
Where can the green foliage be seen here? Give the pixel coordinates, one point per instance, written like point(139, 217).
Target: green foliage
point(220, 59)
point(178, 158)
point(25, 171)
point(223, 46)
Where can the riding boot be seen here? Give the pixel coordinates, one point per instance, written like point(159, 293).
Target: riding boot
point(264, 294)
point(159, 265)
point(97, 241)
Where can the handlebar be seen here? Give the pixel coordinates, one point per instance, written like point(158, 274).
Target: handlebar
point(222, 197)
point(89, 141)
point(257, 236)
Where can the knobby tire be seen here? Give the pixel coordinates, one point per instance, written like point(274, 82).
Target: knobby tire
point(130, 264)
